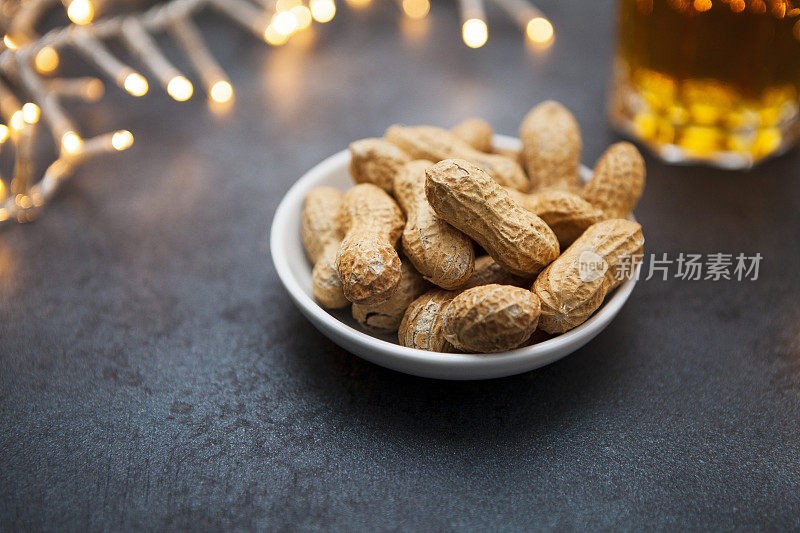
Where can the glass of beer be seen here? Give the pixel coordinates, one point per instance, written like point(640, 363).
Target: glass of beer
point(713, 81)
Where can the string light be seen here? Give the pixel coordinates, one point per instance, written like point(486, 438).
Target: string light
point(475, 33)
point(4, 133)
point(322, 10)
point(9, 42)
point(302, 16)
point(80, 11)
point(17, 120)
point(273, 37)
point(46, 60)
point(221, 92)
point(539, 30)
point(121, 140)
point(180, 88)
point(284, 23)
point(30, 113)
point(135, 84)
point(416, 9)
point(71, 143)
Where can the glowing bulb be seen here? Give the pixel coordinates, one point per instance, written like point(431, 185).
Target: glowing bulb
point(4, 133)
point(475, 33)
point(71, 142)
point(272, 36)
point(80, 11)
point(135, 84)
point(30, 113)
point(302, 16)
point(284, 23)
point(322, 10)
point(18, 120)
point(122, 140)
point(9, 42)
point(46, 60)
point(180, 88)
point(221, 91)
point(416, 9)
point(539, 30)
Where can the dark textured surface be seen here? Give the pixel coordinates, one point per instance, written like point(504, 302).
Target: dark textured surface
point(154, 374)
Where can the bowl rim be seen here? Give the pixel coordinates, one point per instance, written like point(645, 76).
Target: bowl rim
point(542, 353)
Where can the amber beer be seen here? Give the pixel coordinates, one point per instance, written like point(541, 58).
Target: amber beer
point(710, 80)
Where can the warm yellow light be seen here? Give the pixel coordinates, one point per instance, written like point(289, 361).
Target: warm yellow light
point(475, 33)
point(122, 140)
point(221, 91)
point(322, 10)
point(180, 88)
point(9, 42)
point(702, 5)
point(80, 11)
point(358, 4)
point(135, 84)
point(284, 23)
point(18, 120)
point(4, 133)
point(46, 60)
point(539, 30)
point(272, 36)
point(416, 9)
point(71, 142)
point(302, 16)
point(30, 113)
point(94, 90)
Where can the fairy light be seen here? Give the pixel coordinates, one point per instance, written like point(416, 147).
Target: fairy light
point(221, 91)
point(9, 42)
point(322, 10)
point(121, 140)
point(284, 22)
point(539, 30)
point(475, 33)
point(274, 37)
point(46, 60)
point(30, 113)
point(135, 84)
point(416, 9)
point(180, 88)
point(80, 11)
point(71, 143)
point(17, 120)
point(4, 133)
point(473, 26)
point(302, 16)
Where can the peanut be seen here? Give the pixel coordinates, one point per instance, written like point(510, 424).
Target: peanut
point(476, 132)
point(367, 262)
point(421, 326)
point(436, 144)
point(466, 197)
point(422, 322)
point(440, 252)
point(322, 234)
point(385, 317)
point(376, 161)
point(571, 290)
point(567, 214)
point(491, 318)
point(551, 141)
point(617, 182)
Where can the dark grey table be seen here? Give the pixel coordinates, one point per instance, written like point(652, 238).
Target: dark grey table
point(155, 375)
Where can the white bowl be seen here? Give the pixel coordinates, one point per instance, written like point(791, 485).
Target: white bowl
point(294, 270)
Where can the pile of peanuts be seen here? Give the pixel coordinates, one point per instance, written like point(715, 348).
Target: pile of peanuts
point(491, 238)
